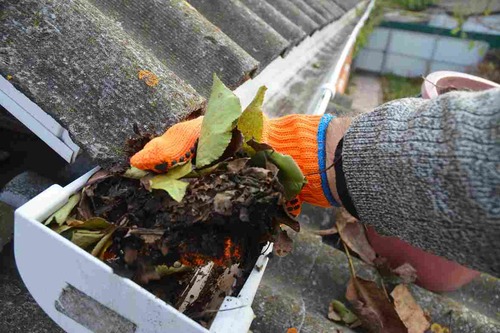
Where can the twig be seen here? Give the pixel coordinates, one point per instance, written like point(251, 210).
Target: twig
point(383, 286)
point(349, 260)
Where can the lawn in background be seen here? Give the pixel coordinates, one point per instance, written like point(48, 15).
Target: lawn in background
point(395, 87)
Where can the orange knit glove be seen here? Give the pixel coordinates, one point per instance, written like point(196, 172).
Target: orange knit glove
point(300, 136)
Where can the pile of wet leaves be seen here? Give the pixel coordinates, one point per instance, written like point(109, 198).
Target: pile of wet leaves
point(206, 220)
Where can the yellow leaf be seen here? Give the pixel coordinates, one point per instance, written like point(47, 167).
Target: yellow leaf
point(251, 121)
point(62, 214)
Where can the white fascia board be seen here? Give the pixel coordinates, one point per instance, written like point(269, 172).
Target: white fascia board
point(37, 120)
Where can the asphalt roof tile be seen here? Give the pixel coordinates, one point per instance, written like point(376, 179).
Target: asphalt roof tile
point(294, 14)
point(99, 66)
point(330, 9)
point(309, 11)
point(184, 40)
point(247, 29)
point(277, 20)
point(85, 70)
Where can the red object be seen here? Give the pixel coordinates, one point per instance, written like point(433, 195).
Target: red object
point(434, 273)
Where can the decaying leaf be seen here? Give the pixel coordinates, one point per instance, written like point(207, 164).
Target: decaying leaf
point(103, 243)
point(62, 228)
point(169, 182)
point(223, 110)
point(62, 214)
point(337, 311)
point(251, 121)
point(223, 204)
point(236, 165)
point(164, 270)
point(98, 176)
point(257, 146)
point(234, 146)
point(135, 173)
point(95, 223)
point(373, 307)
point(401, 274)
point(408, 310)
point(83, 209)
point(283, 244)
point(289, 221)
point(85, 238)
point(326, 232)
point(353, 234)
point(406, 272)
point(437, 328)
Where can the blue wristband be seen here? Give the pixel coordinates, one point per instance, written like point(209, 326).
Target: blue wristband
point(323, 125)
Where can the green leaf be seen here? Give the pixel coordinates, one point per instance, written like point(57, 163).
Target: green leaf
point(289, 175)
point(62, 214)
point(85, 238)
point(339, 312)
point(135, 173)
point(169, 182)
point(222, 111)
point(251, 121)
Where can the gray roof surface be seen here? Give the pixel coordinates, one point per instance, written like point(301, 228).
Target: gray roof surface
point(81, 60)
point(297, 289)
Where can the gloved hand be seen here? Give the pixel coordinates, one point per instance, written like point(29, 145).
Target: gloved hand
point(303, 137)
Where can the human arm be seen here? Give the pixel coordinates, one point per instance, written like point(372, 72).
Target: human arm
point(427, 171)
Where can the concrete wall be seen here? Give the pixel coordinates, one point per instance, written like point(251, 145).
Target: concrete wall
point(409, 53)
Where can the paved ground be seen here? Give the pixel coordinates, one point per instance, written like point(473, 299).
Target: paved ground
point(365, 89)
point(19, 313)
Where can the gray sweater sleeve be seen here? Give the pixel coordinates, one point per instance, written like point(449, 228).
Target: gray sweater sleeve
point(428, 172)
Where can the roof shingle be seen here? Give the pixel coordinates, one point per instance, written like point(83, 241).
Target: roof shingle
point(99, 66)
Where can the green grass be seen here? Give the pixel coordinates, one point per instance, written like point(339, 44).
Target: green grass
point(395, 87)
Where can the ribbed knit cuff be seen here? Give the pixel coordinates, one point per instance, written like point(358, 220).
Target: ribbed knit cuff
point(322, 128)
point(303, 138)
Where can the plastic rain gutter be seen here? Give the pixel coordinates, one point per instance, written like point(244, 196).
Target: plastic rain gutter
point(37, 120)
point(329, 90)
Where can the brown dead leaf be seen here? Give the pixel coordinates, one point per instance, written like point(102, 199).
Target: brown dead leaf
point(406, 272)
point(408, 310)
point(401, 274)
point(326, 232)
point(286, 219)
point(257, 146)
point(343, 216)
point(373, 308)
point(291, 330)
point(236, 165)
point(83, 209)
point(98, 176)
point(353, 234)
point(283, 244)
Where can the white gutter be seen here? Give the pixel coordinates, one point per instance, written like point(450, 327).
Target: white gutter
point(37, 120)
point(329, 88)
